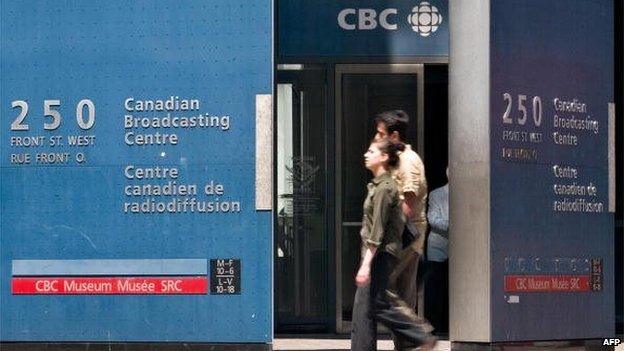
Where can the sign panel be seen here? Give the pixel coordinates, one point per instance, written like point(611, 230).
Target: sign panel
point(329, 28)
point(109, 286)
point(127, 165)
point(551, 229)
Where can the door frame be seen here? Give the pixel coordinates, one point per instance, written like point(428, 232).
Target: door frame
point(340, 70)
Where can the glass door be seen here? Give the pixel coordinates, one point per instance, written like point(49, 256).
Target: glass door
point(301, 240)
point(362, 91)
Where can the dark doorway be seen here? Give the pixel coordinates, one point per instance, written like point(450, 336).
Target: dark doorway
point(362, 91)
point(324, 123)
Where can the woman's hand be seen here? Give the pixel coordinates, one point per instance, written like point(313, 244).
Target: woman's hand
point(363, 277)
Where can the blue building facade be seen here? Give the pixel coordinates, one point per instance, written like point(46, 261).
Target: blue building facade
point(190, 172)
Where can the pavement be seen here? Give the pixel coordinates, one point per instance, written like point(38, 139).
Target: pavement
point(304, 344)
point(334, 342)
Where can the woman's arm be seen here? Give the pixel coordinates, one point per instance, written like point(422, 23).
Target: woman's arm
point(382, 200)
point(363, 276)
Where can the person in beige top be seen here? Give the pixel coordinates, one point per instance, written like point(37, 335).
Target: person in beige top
point(412, 185)
point(409, 175)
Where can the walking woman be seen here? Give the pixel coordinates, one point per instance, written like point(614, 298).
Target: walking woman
point(382, 227)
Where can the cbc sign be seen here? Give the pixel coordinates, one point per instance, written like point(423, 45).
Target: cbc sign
point(423, 19)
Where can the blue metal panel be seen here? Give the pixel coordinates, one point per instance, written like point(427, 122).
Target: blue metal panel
point(558, 51)
point(312, 28)
point(109, 267)
point(218, 52)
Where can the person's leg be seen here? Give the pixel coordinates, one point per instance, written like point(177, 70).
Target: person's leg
point(433, 294)
point(390, 309)
point(363, 325)
point(444, 311)
point(404, 275)
point(410, 330)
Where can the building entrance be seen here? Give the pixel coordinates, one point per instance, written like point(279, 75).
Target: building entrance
point(362, 91)
point(324, 107)
point(324, 123)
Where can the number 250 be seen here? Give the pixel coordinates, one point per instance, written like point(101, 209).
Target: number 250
point(521, 120)
point(50, 111)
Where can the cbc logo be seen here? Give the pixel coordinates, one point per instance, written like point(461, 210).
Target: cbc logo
point(423, 19)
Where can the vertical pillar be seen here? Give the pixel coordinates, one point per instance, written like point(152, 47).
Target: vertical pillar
point(531, 184)
point(469, 159)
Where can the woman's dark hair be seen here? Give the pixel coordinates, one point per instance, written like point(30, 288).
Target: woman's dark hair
point(390, 148)
point(395, 121)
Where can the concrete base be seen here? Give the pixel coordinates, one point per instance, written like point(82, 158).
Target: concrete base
point(572, 345)
point(19, 346)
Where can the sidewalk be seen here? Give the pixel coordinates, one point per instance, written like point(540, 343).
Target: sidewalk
point(324, 343)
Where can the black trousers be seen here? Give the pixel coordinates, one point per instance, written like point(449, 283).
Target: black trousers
point(437, 295)
point(378, 303)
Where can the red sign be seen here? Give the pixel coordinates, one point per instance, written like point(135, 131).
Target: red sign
point(546, 283)
point(109, 285)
